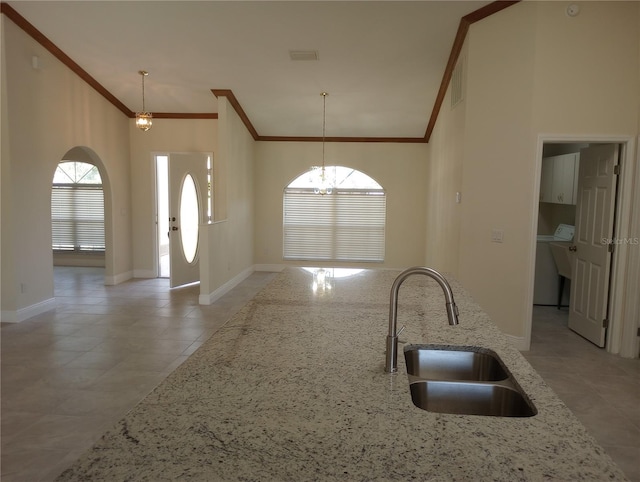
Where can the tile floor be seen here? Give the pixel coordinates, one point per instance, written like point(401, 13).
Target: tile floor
point(69, 374)
point(601, 389)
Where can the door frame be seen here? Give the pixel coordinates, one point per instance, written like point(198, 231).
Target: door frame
point(181, 166)
point(154, 222)
point(623, 310)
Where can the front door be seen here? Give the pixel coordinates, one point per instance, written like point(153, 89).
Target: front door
point(187, 211)
point(594, 232)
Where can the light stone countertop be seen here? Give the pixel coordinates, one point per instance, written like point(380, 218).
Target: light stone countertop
point(293, 388)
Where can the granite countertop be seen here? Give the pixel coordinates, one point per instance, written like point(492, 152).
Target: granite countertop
point(293, 388)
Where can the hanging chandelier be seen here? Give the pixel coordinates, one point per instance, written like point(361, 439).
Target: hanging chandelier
point(323, 184)
point(144, 119)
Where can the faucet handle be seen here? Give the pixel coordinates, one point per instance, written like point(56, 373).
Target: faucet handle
point(400, 330)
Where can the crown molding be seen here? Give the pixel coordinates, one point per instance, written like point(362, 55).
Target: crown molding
point(463, 28)
point(39, 37)
point(238, 108)
point(404, 140)
point(458, 42)
point(183, 115)
point(228, 93)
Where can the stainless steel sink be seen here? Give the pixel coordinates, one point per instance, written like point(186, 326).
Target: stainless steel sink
point(470, 398)
point(464, 380)
point(459, 364)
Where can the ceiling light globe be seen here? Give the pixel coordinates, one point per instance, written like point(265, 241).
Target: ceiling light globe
point(144, 120)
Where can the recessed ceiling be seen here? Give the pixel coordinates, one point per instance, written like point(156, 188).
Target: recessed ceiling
point(381, 62)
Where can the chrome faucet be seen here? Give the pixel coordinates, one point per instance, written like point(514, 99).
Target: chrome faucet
point(391, 365)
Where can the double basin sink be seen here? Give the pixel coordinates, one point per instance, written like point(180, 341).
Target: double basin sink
point(463, 380)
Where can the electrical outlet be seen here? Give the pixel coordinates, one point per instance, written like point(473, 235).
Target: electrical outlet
point(497, 235)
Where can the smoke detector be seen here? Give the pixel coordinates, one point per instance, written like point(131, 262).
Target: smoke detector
point(573, 10)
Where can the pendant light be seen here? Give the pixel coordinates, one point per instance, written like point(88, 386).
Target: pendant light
point(324, 185)
point(144, 119)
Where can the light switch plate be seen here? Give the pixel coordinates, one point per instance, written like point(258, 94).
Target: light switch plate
point(497, 235)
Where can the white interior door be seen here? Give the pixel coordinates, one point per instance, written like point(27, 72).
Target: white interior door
point(594, 231)
point(187, 209)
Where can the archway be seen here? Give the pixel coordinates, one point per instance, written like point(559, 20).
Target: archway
point(84, 158)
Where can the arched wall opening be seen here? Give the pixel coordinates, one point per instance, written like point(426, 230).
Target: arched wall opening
point(87, 155)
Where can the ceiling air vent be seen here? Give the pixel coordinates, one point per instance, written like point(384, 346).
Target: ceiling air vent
point(456, 84)
point(303, 54)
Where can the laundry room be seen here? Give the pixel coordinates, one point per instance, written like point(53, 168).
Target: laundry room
point(556, 223)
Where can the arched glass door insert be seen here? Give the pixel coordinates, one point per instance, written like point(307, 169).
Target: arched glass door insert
point(347, 225)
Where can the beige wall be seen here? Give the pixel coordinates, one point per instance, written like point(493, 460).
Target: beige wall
point(229, 242)
point(586, 68)
point(166, 136)
point(531, 70)
point(498, 171)
point(46, 112)
point(443, 181)
point(399, 168)
point(6, 214)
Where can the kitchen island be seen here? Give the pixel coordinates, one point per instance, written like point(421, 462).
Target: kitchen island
point(293, 388)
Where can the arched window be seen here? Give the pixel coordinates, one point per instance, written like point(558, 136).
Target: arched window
point(347, 225)
point(77, 208)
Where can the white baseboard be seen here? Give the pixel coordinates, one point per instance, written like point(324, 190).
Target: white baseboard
point(272, 268)
point(225, 288)
point(519, 342)
point(118, 278)
point(144, 273)
point(28, 312)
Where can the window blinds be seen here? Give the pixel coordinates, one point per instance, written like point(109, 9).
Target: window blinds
point(348, 225)
point(77, 217)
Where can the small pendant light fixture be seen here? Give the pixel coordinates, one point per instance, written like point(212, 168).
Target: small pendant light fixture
point(144, 119)
point(324, 186)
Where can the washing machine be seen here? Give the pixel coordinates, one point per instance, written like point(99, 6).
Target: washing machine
point(547, 279)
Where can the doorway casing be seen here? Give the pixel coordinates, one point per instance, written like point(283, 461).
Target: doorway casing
point(623, 307)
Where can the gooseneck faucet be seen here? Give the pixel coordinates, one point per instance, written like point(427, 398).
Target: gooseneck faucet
point(391, 364)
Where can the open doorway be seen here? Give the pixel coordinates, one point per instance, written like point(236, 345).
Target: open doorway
point(576, 258)
point(80, 201)
point(556, 221)
point(77, 215)
point(81, 227)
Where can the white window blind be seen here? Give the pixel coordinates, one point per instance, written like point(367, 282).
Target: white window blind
point(348, 225)
point(77, 217)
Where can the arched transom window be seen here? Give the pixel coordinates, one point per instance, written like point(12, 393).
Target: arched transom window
point(347, 225)
point(77, 208)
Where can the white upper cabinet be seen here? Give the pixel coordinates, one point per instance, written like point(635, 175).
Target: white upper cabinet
point(546, 180)
point(559, 179)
